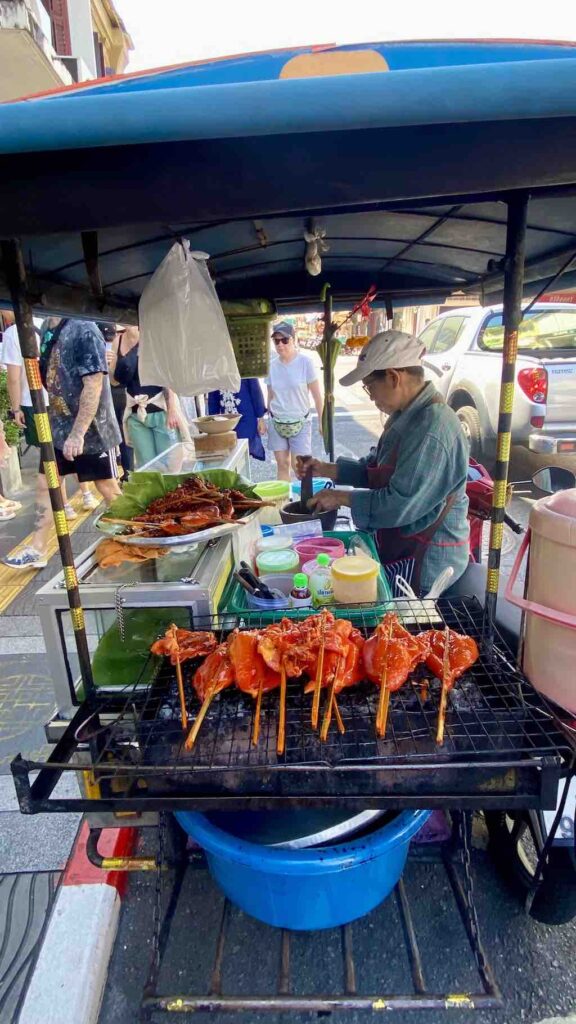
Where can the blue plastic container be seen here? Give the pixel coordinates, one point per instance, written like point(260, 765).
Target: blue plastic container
point(320, 483)
point(306, 889)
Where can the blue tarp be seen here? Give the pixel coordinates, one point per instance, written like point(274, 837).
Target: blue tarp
point(406, 172)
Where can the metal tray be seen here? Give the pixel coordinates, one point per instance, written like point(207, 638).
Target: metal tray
point(171, 542)
point(504, 746)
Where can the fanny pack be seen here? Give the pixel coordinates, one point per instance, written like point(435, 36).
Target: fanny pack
point(291, 429)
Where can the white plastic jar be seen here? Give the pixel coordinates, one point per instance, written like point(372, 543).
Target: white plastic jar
point(355, 580)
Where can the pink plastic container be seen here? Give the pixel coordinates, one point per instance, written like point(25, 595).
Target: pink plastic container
point(550, 605)
point(312, 546)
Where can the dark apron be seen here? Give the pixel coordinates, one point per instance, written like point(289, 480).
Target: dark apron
point(392, 546)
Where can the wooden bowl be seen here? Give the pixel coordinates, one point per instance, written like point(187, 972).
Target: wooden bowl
point(218, 424)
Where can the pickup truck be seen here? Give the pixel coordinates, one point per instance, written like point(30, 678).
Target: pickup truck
point(464, 360)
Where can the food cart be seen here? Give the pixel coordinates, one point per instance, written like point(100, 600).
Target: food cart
point(424, 179)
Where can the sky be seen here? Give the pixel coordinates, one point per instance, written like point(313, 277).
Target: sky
point(172, 31)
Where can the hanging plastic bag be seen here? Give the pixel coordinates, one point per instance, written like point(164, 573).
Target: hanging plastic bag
point(184, 339)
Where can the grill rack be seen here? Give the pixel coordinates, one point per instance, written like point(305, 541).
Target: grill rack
point(502, 739)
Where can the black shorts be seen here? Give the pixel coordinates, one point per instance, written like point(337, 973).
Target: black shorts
point(88, 467)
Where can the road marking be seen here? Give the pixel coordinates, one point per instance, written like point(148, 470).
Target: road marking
point(12, 582)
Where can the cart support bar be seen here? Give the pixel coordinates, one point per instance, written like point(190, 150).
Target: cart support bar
point(513, 286)
point(16, 275)
point(115, 863)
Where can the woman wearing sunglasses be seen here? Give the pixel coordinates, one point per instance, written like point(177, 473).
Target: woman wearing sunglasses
point(292, 381)
point(410, 491)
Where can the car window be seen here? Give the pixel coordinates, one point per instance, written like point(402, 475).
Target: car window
point(539, 330)
point(450, 331)
point(429, 333)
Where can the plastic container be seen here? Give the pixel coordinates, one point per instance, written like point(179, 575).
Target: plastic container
point(312, 546)
point(300, 595)
point(284, 560)
point(309, 567)
point(321, 582)
point(233, 600)
point(319, 483)
point(267, 605)
point(273, 543)
point(277, 491)
point(306, 889)
point(355, 579)
point(550, 605)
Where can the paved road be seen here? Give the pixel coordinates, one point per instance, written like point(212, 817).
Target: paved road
point(533, 964)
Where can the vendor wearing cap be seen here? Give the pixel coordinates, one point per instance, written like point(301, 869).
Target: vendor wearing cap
point(410, 491)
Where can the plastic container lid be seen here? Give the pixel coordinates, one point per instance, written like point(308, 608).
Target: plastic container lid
point(300, 581)
point(357, 567)
point(323, 559)
point(273, 489)
point(273, 543)
point(277, 560)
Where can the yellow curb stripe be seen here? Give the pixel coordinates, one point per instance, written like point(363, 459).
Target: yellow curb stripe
point(13, 583)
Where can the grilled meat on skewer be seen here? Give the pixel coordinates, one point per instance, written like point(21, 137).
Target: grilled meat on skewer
point(400, 654)
point(184, 645)
point(462, 653)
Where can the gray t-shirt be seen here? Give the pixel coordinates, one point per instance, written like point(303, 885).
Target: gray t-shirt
point(79, 352)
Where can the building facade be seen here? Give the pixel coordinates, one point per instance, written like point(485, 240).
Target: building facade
point(45, 44)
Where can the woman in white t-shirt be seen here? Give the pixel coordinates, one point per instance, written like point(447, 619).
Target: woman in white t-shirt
point(292, 381)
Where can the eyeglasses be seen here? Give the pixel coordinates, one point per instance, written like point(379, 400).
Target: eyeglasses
point(367, 387)
point(281, 340)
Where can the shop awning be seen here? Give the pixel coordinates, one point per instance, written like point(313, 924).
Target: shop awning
point(404, 169)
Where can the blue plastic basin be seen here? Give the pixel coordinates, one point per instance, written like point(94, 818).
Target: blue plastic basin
point(306, 889)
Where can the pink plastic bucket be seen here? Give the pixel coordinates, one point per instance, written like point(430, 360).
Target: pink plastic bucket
point(550, 605)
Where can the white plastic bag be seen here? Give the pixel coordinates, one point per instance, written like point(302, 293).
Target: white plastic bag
point(184, 339)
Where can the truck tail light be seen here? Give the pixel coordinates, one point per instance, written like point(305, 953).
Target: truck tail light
point(534, 384)
point(537, 421)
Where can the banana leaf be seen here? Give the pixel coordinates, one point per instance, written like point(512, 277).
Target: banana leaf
point(142, 488)
point(118, 662)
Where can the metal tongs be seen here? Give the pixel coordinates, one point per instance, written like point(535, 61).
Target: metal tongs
point(252, 584)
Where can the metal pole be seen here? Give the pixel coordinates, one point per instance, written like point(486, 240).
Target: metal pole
point(16, 276)
point(513, 285)
point(328, 373)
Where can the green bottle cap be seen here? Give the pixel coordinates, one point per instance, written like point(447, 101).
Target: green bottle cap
point(323, 559)
point(300, 581)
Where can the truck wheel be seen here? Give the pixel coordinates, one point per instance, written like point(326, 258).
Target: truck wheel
point(472, 429)
point(514, 847)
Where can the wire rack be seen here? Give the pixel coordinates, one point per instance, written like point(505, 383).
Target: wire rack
point(493, 714)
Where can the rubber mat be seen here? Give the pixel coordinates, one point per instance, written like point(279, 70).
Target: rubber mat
point(25, 904)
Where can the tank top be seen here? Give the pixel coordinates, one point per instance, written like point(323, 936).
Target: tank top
point(126, 373)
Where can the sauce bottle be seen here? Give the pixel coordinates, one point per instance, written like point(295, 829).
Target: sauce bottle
point(321, 582)
point(300, 596)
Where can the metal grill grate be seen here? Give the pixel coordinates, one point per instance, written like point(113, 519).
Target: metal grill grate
point(493, 714)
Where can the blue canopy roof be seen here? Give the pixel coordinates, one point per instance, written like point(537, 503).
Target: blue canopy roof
point(404, 167)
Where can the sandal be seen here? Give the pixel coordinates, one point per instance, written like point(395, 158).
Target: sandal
point(6, 514)
point(8, 504)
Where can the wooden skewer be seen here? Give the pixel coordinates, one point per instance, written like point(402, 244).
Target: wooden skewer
point(282, 716)
point(193, 734)
point(179, 679)
point(133, 525)
point(444, 694)
point(330, 704)
point(338, 717)
point(384, 698)
point(257, 713)
point(318, 680)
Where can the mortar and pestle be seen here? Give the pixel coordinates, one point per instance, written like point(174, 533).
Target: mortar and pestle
point(298, 511)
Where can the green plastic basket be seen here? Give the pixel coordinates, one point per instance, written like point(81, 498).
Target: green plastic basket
point(234, 597)
point(250, 338)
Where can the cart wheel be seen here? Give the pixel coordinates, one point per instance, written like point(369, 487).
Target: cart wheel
point(515, 842)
